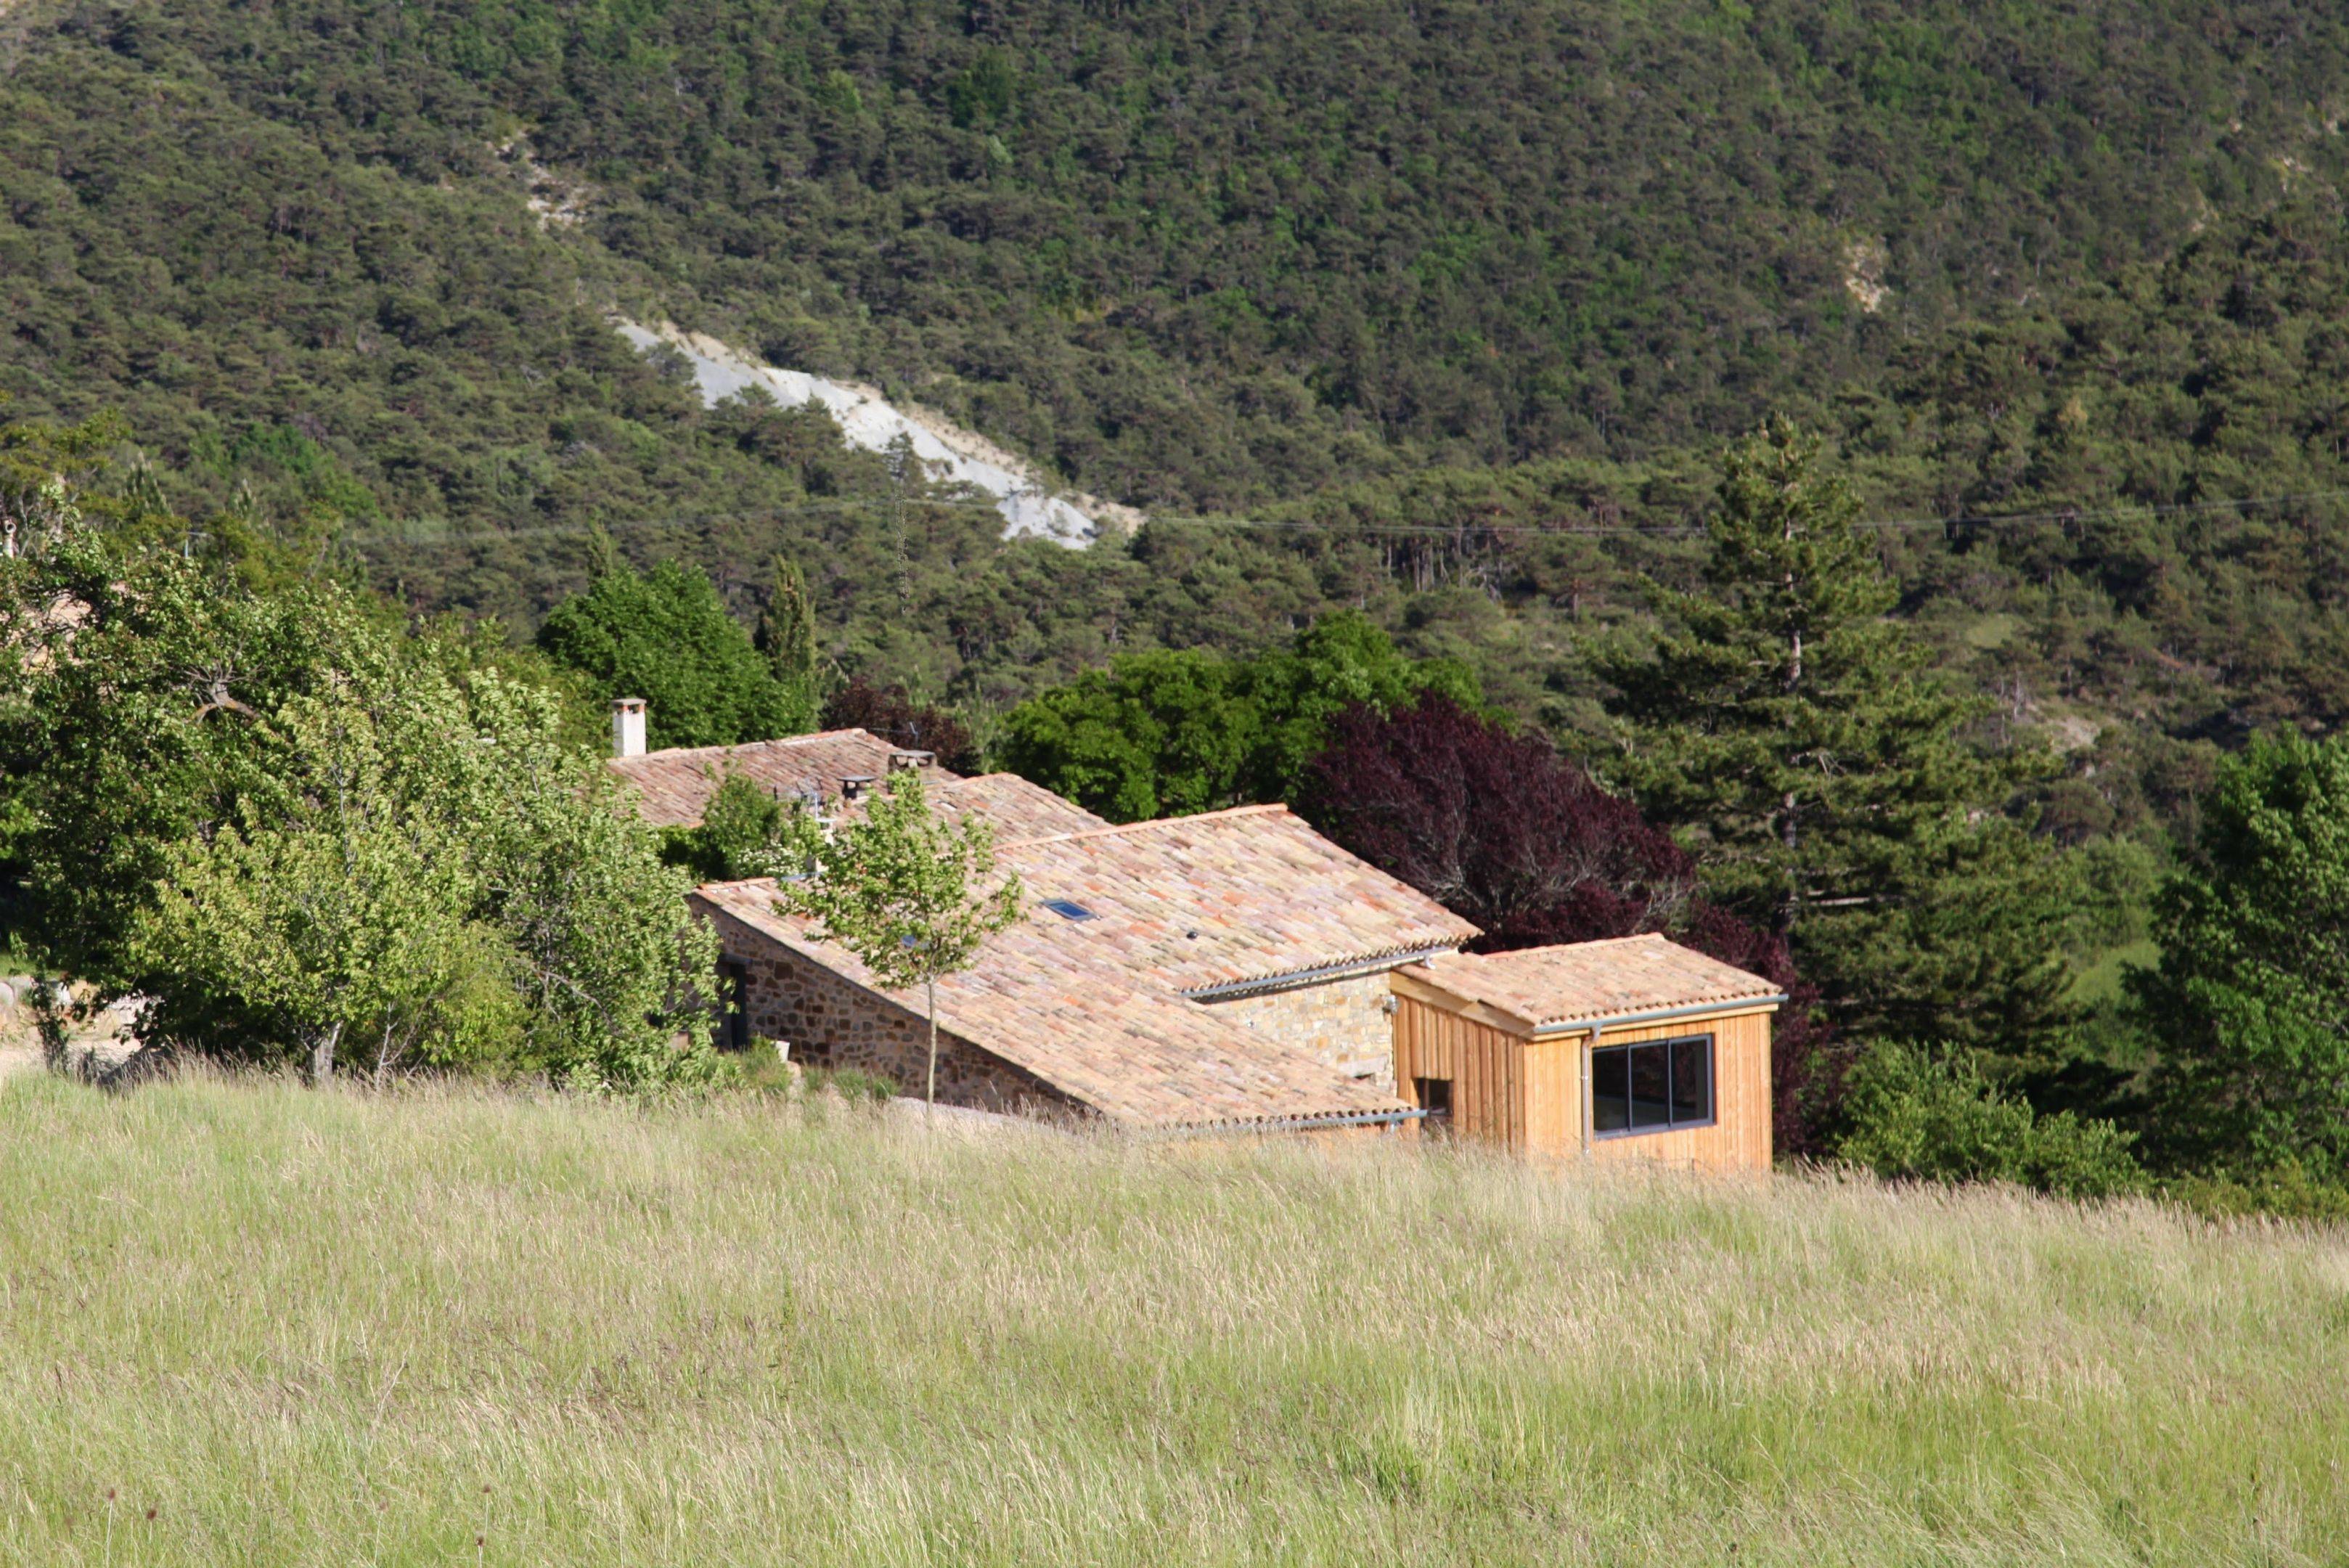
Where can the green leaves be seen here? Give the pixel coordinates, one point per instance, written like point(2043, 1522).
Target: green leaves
point(787, 637)
point(1939, 1120)
point(350, 917)
point(290, 825)
point(664, 635)
point(906, 892)
point(2250, 998)
point(1171, 732)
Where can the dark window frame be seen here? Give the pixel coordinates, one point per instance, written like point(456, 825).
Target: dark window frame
point(1422, 1093)
point(1711, 1117)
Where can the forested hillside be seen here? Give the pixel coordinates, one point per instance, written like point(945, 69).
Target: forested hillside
point(1201, 254)
point(1458, 304)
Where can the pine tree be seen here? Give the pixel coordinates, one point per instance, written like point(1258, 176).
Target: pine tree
point(1823, 774)
point(2246, 1002)
point(787, 637)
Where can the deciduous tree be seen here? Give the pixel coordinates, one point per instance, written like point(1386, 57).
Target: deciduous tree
point(1170, 732)
point(911, 895)
point(664, 635)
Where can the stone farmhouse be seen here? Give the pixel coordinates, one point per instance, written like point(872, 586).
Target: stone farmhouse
point(1233, 971)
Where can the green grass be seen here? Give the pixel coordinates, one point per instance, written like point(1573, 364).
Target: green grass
point(336, 1329)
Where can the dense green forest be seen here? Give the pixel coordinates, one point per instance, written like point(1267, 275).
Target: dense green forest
point(1440, 313)
point(1457, 303)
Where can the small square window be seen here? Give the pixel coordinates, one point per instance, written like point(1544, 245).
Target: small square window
point(1070, 910)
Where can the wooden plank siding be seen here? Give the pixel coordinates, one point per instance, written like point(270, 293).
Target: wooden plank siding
point(1527, 1092)
point(1487, 1091)
point(1739, 1137)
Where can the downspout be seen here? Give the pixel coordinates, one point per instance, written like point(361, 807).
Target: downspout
point(1589, 1044)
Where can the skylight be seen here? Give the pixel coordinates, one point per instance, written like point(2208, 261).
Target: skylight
point(1068, 909)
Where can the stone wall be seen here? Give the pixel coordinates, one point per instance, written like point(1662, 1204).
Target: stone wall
point(829, 1021)
point(1345, 1023)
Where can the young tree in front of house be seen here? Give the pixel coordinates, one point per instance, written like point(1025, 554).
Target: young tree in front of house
point(1822, 774)
point(907, 893)
point(665, 636)
point(2248, 998)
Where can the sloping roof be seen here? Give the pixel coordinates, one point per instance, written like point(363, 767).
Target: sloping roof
point(1230, 896)
point(1017, 809)
point(674, 786)
point(1585, 982)
point(1044, 998)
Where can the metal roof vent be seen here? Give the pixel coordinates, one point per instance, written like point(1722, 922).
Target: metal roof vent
point(1068, 909)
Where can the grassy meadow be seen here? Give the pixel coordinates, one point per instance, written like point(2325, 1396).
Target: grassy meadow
point(247, 1323)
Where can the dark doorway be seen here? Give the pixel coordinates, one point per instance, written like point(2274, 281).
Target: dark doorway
point(734, 997)
point(1434, 1096)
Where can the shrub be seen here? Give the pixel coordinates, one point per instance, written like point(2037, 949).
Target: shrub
point(1918, 1116)
point(890, 712)
point(2288, 1190)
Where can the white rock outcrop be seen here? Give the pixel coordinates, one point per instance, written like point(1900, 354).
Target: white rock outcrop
point(1029, 504)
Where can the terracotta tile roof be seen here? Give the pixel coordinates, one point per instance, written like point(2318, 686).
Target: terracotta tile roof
point(1230, 896)
point(674, 786)
point(1584, 982)
point(1018, 809)
point(1044, 998)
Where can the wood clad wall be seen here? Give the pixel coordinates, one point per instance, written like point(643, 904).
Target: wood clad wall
point(1528, 1095)
point(1488, 1098)
point(1739, 1137)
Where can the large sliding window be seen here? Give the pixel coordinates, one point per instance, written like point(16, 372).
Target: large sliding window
point(1654, 1086)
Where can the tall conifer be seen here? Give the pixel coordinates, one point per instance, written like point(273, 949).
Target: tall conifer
point(1826, 777)
point(787, 637)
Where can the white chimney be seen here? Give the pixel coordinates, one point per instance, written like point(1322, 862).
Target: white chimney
point(627, 726)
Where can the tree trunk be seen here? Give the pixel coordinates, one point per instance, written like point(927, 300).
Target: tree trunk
point(930, 1096)
point(321, 1057)
point(1791, 835)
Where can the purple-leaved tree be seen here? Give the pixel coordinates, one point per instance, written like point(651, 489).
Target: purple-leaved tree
point(1501, 829)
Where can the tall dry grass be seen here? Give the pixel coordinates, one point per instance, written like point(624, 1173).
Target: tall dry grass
point(456, 1328)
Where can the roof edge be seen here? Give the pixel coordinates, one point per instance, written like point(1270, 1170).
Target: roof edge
point(1265, 809)
point(812, 735)
point(1724, 1007)
point(1340, 969)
